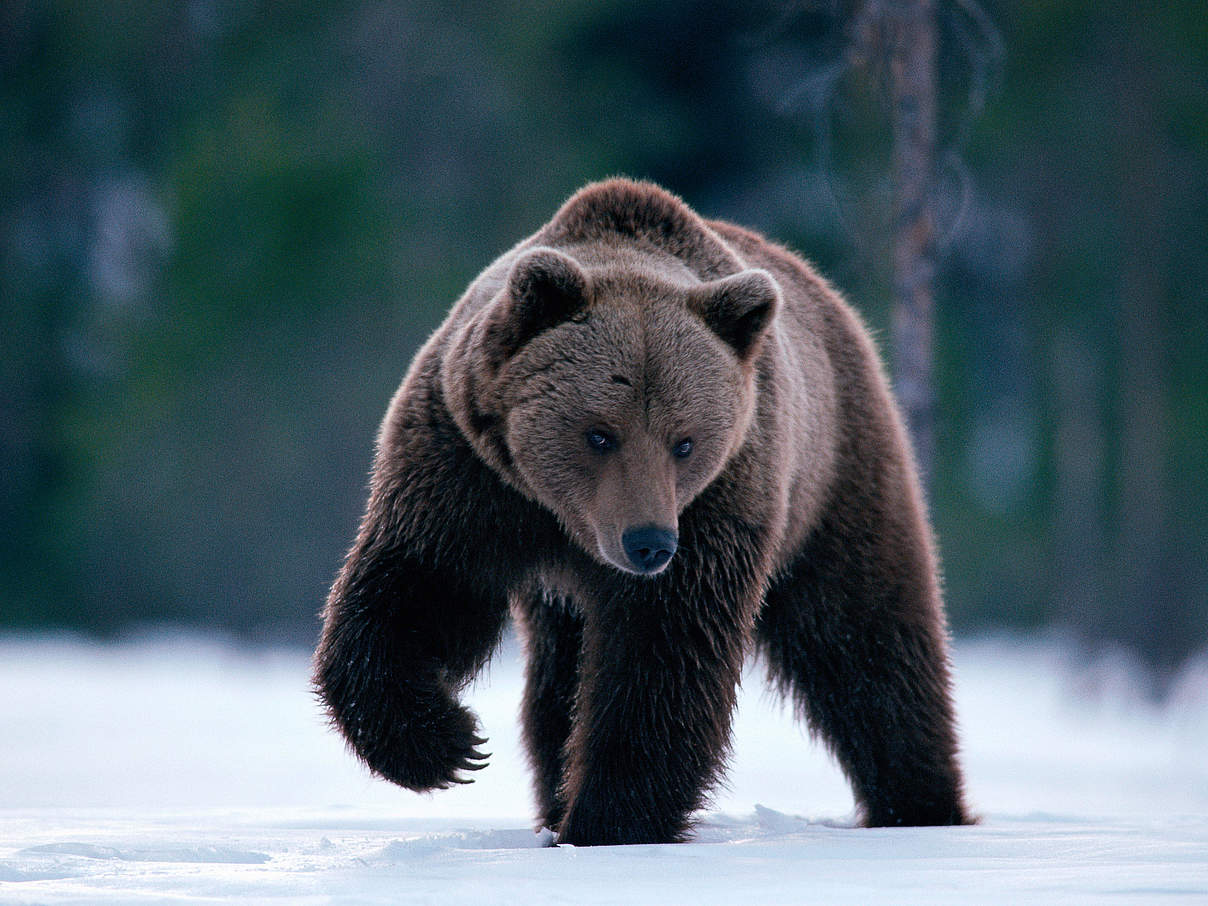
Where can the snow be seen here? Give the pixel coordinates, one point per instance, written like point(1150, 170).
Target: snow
point(173, 768)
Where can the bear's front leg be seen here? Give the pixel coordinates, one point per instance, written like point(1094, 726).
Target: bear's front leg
point(416, 610)
point(389, 673)
point(553, 638)
point(658, 683)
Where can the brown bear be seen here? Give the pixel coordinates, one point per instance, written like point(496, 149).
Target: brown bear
point(660, 442)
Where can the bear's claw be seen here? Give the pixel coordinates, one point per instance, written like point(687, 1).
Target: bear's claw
point(472, 760)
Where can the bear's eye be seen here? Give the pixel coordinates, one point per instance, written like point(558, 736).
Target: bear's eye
point(683, 448)
point(601, 441)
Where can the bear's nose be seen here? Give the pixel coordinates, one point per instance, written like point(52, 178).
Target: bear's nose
point(649, 547)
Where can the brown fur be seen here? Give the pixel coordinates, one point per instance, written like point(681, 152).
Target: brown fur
point(534, 439)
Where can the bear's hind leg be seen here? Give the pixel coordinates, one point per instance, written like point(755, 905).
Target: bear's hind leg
point(553, 633)
point(863, 655)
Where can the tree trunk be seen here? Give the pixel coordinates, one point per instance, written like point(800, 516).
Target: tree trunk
point(909, 31)
point(1148, 613)
point(1080, 562)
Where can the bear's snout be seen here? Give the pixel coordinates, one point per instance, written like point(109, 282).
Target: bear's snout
point(649, 548)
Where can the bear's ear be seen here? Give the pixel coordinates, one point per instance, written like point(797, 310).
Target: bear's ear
point(738, 308)
point(544, 288)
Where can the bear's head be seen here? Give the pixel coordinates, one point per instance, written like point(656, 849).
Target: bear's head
point(611, 395)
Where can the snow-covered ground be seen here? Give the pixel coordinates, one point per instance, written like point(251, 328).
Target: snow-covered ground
point(179, 769)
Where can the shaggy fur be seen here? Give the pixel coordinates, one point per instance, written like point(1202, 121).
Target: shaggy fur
point(634, 371)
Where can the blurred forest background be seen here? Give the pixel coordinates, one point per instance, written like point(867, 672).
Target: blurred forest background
point(225, 227)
